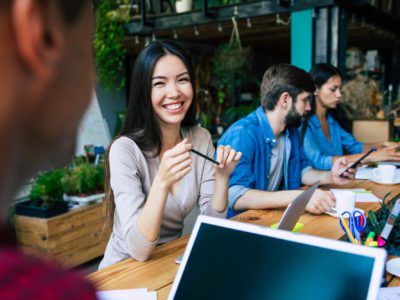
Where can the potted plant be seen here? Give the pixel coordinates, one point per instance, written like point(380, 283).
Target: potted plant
point(231, 66)
point(84, 183)
point(46, 196)
point(71, 238)
point(377, 220)
point(108, 42)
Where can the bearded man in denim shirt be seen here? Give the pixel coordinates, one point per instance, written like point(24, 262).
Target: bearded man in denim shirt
point(273, 166)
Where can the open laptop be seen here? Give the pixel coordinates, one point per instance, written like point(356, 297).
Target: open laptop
point(225, 259)
point(296, 208)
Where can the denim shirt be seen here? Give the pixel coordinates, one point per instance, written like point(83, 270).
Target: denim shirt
point(253, 136)
point(319, 150)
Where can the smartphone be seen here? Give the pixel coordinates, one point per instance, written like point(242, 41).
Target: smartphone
point(178, 260)
point(355, 164)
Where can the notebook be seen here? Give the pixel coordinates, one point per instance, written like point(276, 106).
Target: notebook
point(226, 259)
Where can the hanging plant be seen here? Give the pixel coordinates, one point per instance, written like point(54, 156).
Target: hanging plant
point(108, 43)
point(231, 63)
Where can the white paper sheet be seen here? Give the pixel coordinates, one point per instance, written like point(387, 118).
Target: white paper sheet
point(390, 293)
point(128, 294)
point(362, 195)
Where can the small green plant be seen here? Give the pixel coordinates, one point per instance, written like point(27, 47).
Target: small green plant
point(108, 43)
point(377, 220)
point(47, 188)
point(84, 179)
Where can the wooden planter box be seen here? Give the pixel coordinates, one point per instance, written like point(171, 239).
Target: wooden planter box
point(71, 238)
point(26, 209)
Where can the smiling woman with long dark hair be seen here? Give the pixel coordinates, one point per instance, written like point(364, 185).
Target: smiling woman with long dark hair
point(152, 179)
point(324, 140)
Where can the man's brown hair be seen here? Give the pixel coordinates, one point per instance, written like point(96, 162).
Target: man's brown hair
point(284, 78)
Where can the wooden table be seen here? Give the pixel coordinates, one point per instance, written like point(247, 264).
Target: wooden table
point(158, 273)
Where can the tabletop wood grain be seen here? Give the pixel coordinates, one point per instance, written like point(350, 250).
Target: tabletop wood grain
point(157, 274)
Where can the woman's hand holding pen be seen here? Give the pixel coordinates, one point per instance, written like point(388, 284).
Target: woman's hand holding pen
point(175, 164)
point(228, 158)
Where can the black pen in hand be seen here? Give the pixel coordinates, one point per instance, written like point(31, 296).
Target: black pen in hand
point(205, 156)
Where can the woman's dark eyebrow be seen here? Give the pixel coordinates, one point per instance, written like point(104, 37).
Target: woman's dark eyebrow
point(163, 77)
point(183, 73)
point(158, 77)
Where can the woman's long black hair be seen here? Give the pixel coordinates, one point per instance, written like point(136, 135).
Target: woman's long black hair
point(141, 123)
point(320, 73)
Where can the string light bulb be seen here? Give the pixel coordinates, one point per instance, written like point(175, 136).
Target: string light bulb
point(136, 40)
point(196, 31)
point(220, 28)
point(175, 34)
point(248, 23)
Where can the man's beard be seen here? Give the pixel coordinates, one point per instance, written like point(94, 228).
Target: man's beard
point(293, 118)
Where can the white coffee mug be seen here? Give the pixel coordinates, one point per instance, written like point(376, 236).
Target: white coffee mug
point(385, 173)
point(345, 201)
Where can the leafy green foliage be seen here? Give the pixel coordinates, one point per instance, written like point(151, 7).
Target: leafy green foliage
point(377, 220)
point(47, 188)
point(234, 113)
point(231, 66)
point(108, 43)
point(84, 178)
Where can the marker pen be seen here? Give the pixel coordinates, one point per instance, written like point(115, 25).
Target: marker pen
point(389, 224)
point(370, 238)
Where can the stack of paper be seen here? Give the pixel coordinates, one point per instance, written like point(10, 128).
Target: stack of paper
point(362, 195)
point(129, 294)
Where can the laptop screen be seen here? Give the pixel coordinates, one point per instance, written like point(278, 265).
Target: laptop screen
point(226, 263)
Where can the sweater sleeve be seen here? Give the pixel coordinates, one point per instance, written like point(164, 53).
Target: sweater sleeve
point(207, 182)
point(126, 183)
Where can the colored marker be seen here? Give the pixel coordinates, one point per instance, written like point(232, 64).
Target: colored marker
point(373, 244)
point(389, 224)
point(370, 238)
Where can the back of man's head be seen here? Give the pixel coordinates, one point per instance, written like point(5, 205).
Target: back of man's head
point(283, 78)
point(69, 9)
point(46, 80)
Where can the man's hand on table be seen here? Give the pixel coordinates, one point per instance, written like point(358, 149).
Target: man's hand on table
point(321, 202)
